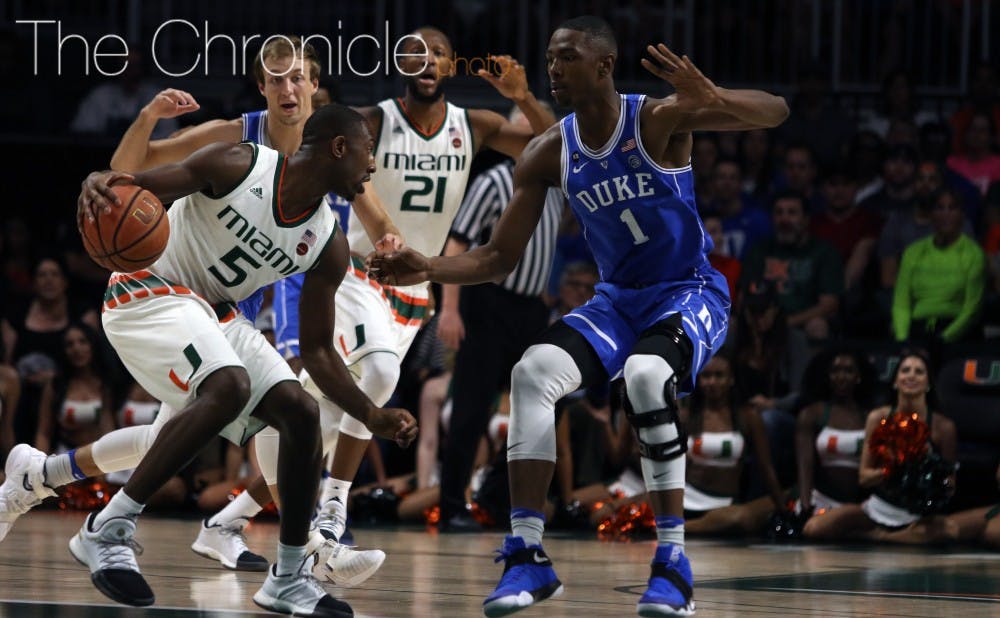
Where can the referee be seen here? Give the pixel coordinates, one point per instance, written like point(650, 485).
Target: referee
point(491, 325)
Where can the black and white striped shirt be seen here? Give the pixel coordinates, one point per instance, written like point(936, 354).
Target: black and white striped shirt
point(484, 202)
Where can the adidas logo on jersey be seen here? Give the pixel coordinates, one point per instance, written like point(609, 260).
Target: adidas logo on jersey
point(258, 192)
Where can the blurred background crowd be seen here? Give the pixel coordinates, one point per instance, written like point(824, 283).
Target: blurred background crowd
point(868, 223)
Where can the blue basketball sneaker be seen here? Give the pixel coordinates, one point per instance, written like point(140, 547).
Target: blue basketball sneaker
point(528, 577)
point(670, 590)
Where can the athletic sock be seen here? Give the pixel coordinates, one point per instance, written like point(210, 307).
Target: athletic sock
point(242, 506)
point(119, 506)
point(62, 470)
point(527, 524)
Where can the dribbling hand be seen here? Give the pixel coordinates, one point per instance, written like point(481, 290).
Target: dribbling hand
point(96, 194)
point(403, 267)
point(394, 424)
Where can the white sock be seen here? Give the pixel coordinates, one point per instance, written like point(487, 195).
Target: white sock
point(119, 506)
point(527, 524)
point(290, 558)
point(242, 506)
point(327, 489)
point(337, 489)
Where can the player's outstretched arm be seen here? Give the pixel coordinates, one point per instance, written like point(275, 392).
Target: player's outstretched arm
point(495, 131)
point(699, 104)
point(326, 368)
point(533, 175)
point(136, 153)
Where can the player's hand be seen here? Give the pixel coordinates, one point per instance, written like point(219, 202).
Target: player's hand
point(393, 423)
point(451, 329)
point(694, 90)
point(171, 103)
point(96, 194)
point(403, 267)
point(511, 81)
point(389, 243)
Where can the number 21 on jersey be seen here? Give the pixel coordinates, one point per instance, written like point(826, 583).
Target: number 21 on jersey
point(424, 187)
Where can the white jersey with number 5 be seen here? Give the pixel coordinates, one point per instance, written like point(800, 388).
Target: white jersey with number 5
point(225, 247)
point(421, 177)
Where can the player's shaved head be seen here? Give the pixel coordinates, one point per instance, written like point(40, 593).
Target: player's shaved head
point(597, 30)
point(331, 121)
point(426, 32)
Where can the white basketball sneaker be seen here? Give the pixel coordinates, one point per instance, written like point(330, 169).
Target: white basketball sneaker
point(345, 566)
point(109, 552)
point(299, 594)
point(24, 487)
point(225, 542)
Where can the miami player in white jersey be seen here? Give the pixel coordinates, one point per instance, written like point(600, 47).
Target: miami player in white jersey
point(424, 149)
point(246, 217)
point(287, 75)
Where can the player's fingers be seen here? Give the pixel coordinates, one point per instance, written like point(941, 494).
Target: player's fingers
point(661, 58)
point(674, 58)
point(656, 70)
point(492, 79)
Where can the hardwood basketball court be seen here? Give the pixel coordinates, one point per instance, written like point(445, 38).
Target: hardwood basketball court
point(430, 575)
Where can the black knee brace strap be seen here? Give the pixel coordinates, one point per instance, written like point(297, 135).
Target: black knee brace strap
point(664, 451)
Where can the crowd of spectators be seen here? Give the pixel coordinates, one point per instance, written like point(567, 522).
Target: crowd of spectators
point(843, 238)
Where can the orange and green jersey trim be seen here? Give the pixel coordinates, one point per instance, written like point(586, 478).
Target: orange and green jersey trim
point(406, 309)
point(124, 288)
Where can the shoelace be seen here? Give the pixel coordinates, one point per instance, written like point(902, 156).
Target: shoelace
point(233, 531)
point(116, 554)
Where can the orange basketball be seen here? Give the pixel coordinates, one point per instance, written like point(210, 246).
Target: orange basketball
point(130, 237)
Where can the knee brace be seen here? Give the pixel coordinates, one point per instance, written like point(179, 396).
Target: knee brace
point(646, 424)
point(544, 374)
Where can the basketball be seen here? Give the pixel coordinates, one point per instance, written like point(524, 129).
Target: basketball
point(130, 237)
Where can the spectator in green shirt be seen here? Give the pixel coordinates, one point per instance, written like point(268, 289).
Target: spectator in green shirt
point(807, 272)
point(941, 279)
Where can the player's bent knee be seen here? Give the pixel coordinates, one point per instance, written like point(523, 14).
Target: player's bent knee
point(228, 388)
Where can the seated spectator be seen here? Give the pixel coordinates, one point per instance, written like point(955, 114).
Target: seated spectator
point(904, 227)
point(877, 517)
point(807, 272)
point(33, 338)
point(866, 154)
point(721, 433)
point(935, 145)
point(743, 222)
point(852, 230)
point(815, 117)
point(798, 174)
point(898, 103)
point(982, 99)
point(729, 266)
point(769, 361)
point(704, 154)
point(576, 287)
point(76, 406)
point(830, 432)
point(756, 159)
point(941, 281)
point(110, 108)
point(979, 163)
point(898, 177)
point(10, 394)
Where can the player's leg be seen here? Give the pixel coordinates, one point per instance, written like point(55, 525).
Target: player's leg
point(290, 587)
point(32, 476)
point(378, 373)
point(549, 370)
point(372, 343)
point(662, 358)
point(175, 348)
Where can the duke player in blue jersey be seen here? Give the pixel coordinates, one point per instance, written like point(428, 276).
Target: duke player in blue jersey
point(660, 311)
